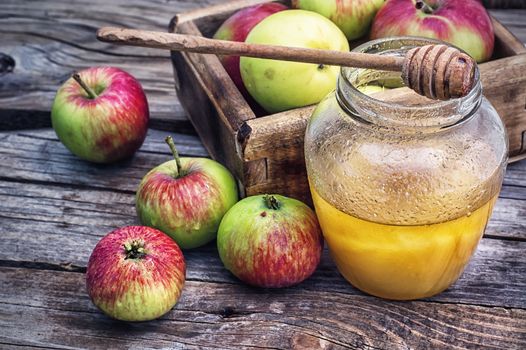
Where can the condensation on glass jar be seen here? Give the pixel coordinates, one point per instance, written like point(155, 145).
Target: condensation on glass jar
point(403, 188)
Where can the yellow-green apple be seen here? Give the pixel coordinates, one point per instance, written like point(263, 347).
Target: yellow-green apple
point(135, 273)
point(236, 28)
point(186, 198)
point(101, 114)
point(270, 241)
point(463, 23)
point(281, 85)
point(353, 17)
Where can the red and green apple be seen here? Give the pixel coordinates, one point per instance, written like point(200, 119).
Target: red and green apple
point(353, 17)
point(270, 241)
point(236, 28)
point(186, 198)
point(135, 273)
point(101, 114)
point(463, 23)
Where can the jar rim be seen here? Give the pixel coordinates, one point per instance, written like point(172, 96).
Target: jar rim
point(470, 101)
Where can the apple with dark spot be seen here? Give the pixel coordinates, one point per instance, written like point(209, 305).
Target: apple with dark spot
point(186, 198)
point(270, 241)
point(101, 114)
point(135, 273)
point(281, 85)
point(463, 23)
point(236, 28)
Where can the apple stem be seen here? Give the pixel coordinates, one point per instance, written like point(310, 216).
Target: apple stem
point(178, 171)
point(134, 250)
point(271, 202)
point(421, 5)
point(91, 94)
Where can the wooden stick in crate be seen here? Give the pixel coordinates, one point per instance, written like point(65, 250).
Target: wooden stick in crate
point(436, 71)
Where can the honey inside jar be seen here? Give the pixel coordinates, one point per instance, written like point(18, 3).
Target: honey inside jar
point(404, 188)
point(400, 262)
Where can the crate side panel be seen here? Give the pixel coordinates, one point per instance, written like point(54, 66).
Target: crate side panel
point(506, 44)
point(504, 84)
point(217, 136)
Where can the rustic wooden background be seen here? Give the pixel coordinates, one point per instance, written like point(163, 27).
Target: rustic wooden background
point(54, 208)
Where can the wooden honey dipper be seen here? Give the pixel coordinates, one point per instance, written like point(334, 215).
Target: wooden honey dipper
point(435, 71)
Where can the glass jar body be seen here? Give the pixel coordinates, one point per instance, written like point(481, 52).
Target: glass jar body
point(403, 207)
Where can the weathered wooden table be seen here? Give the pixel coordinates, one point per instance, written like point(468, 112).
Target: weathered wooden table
point(54, 208)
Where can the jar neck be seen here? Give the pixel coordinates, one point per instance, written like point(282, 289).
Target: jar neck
point(400, 109)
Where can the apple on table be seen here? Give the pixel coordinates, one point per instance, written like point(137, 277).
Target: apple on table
point(101, 114)
point(186, 198)
point(135, 273)
point(270, 241)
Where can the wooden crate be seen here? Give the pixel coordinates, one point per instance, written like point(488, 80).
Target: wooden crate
point(266, 153)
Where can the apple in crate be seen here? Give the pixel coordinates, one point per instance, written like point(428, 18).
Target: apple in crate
point(135, 273)
point(270, 241)
point(186, 198)
point(353, 17)
point(281, 85)
point(101, 114)
point(463, 23)
point(236, 28)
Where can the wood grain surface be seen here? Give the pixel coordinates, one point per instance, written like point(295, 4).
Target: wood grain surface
point(54, 208)
point(222, 315)
point(49, 41)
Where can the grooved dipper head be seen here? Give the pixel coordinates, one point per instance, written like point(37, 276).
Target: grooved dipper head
point(439, 71)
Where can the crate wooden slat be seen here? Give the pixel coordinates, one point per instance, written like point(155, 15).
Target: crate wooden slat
point(266, 153)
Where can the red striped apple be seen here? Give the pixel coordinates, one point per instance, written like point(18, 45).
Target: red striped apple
point(270, 241)
point(186, 198)
point(101, 114)
point(353, 17)
point(236, 28)
point(135, 273)
point(463, 23)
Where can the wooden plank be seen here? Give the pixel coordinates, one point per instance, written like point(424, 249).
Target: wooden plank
point(505, 82)
point(212, 315)
point(215, 132)
point(515, 174)
point(49, 41)
point(215, 106)
point(506, 4)
point(506, 44)
point(39, 156)
point(513, 20)
point(58, 226)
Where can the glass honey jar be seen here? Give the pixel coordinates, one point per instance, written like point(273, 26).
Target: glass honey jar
point(403, 186)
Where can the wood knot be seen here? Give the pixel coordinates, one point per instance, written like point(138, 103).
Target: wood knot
point(7, 64)
point(439, 71)
point(227, 312)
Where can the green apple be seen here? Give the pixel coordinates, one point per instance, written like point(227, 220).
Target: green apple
point(353, 17)
point(281, 85)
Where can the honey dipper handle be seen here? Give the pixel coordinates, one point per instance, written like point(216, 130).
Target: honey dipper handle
point(190, 43)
